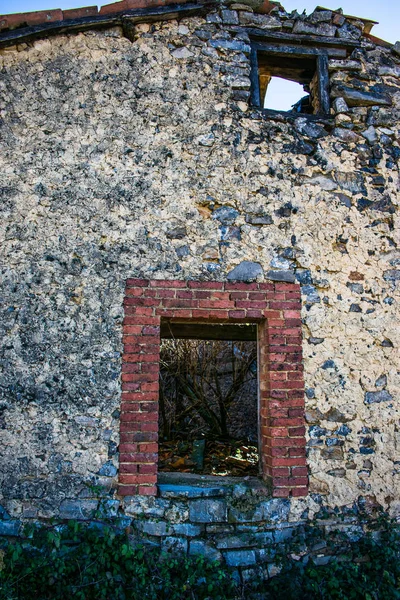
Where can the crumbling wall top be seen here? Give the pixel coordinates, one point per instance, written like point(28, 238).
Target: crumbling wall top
point(322, 22)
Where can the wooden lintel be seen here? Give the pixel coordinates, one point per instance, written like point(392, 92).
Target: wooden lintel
point(306, 40)
point(299, 51)
point(206, 331)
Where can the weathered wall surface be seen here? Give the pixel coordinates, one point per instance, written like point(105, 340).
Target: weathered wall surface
point(143, 159)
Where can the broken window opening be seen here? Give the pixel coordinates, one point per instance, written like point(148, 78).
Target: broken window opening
point(208, 405)
point(282, 94)
point(307, 67)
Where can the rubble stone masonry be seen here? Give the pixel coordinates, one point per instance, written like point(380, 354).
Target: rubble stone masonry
point(144, 159)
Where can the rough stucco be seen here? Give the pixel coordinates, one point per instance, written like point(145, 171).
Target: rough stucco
point(118, 160)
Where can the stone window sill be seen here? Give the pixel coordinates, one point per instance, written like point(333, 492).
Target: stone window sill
point(188, 485)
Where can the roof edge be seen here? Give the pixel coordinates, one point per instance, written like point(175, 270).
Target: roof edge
point(156, 12)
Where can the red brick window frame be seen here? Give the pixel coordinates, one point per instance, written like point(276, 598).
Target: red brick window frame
point(275, 308)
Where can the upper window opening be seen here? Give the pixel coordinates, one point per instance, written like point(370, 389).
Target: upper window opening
point(208, 418)
point(290, 79)
point(282, 94)
point(276, 71)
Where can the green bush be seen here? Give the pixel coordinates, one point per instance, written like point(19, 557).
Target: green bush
point(86, 562)
point(367, 569)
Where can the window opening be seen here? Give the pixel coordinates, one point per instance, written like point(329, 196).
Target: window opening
point(208, 405)
point(276, 68)
point(282, 94)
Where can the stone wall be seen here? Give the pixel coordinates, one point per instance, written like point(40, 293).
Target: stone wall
point(144, 158)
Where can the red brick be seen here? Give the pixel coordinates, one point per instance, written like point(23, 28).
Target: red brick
point(188, 294)
point(298, 481)
point(143, 377)
point(291, 314)
point(142, 357)
point(150, 490)
point(134, 302)
point(183, 303)
point(254, 314)
point(165, 293)
point(289, 287)
point(237, 314)
point(138, 311)
point(211, 304)
point(151, 387)
point(183, 313)
point(139, 320)
point(174, 283)
point(278, 412)
point(281, 471)
point(139, 396)
point(130, 386)
point(241, 286)
point(280, 492)
point(130, 377)
point(127, 468)
point(293, 322)
point(131, 367)
point(150, 427)
point(30, 18)
point(148, 470)
point(276, 324)
point(286, 442)
point(250, 304)
point(277, 338)
point(278, 432)
point(271, 314)
point(143, 436)
point(149, 448)
point(296, 394)
point(297, 431)
point(127, 448)
point(132, 329)
point(279, 422)
point(277, 461)
point(275, 357)
point(266, 286)
point(150, 368)
point(209, 315)
point(300, 451)
point(127, 426)
point(130, 406)
point(288, 385)
point(148, 406)
point(206, 285)
point(151, 331)
point(128, 490)
point(137, 283)
point(141, 479)
point(139, 417)
point(134, 291)
point(298, 471)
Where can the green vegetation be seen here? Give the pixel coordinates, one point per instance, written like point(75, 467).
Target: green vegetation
point(366, 569)
point(92, 563)
point(97, 562)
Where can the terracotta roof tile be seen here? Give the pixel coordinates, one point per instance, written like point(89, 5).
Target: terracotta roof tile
point(30, 18)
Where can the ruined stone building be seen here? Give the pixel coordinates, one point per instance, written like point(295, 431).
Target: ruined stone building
point(143, 183)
